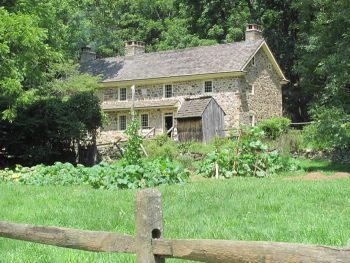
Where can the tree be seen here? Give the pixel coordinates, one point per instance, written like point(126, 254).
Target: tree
point(324, 64)
point(24, 59)
point(49, 129)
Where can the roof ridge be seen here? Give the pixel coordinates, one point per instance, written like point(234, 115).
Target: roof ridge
point(214, 59)
point(184, 49)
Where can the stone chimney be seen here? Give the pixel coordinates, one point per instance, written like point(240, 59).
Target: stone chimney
point(134, 47)
point(253, 32)
point(86, 55)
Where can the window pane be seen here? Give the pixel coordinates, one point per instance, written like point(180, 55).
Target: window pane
point(122, 123)
point(208, 86)
point(122, 94)
point(144, 120)
point(109, 94)
point(168, 92)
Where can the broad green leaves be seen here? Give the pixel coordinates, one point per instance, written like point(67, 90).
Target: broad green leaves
point(103, 176)
point(24, 58)
point(245, 156)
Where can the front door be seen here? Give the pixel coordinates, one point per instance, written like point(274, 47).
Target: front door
point(168, 123)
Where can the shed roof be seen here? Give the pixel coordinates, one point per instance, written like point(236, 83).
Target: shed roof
point(221, 58)
point(194, 107)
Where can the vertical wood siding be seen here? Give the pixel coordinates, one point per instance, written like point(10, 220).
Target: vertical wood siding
point(212, 121)
point(190, 129)
point(203, 128)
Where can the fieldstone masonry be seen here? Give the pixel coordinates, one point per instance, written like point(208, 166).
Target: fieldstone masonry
point(232, 94)
point(266, 102)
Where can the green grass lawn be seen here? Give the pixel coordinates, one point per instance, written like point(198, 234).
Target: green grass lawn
point(325, 167)
point(271, 209)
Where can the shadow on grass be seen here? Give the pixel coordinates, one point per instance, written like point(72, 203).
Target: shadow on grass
point(325, 166)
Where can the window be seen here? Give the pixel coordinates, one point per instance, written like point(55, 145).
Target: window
point(251, 89)
point(109, 94)
point(269, 66)
point(122, 122)
point(144, 121)
point(253, 61)
point(122, 94)
point(208, 86)
point(252, 120)
point(168, 91)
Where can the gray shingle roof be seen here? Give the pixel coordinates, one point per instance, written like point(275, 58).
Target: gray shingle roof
point(126, 105)
point(189, 61)
point(192, 108)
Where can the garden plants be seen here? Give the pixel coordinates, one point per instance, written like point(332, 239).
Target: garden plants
point(245, 156)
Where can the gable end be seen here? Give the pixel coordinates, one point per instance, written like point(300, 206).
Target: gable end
point(272, 60)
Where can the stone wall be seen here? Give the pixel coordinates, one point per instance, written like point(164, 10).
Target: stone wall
point(266, 101)
point(225, 92)
point(155, 118)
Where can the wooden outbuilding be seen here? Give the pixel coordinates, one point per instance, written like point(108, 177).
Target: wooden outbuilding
point(200, 119)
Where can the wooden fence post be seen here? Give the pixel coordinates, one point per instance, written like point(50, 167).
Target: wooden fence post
point(149, 224)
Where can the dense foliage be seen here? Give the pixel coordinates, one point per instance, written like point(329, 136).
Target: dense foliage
point(133, 151)
point(309, 38)
point(49, 129)
point(118, 175)
point(330, 131)
point(25, 58)
point(245, 156)
point(40, 42)
point(274, 127)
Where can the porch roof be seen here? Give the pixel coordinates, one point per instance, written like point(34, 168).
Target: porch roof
point(140, 104)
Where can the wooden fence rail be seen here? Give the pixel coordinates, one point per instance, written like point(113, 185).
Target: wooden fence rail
point(150, 246)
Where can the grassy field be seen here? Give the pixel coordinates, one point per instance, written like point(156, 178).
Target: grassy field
point(274, 209)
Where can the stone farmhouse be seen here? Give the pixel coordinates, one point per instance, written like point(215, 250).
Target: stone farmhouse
point(243, 78)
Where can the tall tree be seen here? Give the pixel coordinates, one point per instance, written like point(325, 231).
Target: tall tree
point(24, 57)
point(324, 66)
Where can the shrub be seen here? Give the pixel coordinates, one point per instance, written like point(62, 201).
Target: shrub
point(161, 139)
point(186, 161)
point(274, 127)
point(246, 156)
point(201, 147)
point(290, 142)
point(48, 129)
point(162, 145)
point(330, 130)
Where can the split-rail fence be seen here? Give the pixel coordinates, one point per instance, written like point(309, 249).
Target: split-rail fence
point(150, 246)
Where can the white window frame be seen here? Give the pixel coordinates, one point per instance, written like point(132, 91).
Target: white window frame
point(144, 127)
point(269, 66)
point(126, 94)
point(212, 86)
point(119, 122)
point(252, 91)
point(164, 90)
